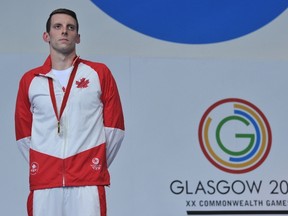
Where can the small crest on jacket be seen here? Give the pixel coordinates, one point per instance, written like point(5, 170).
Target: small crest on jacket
point(96, 164)
point(82, 83)
point(34, 167)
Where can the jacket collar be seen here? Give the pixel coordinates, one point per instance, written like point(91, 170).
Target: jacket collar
point(47, 66)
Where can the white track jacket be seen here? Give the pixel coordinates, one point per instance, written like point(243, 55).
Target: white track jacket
point(69, 143)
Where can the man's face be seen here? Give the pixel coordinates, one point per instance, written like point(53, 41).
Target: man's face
point(63, 35)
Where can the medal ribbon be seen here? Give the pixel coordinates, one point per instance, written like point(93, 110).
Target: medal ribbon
point(66, 94)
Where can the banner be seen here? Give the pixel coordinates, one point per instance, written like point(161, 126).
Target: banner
point(207, 137)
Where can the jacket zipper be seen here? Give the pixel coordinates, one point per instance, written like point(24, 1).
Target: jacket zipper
point(63, 174)
point(64, 150)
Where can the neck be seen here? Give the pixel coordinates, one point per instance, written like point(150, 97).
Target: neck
point(62, 62)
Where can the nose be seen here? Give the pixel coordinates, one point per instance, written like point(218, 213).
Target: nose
point(64, 31)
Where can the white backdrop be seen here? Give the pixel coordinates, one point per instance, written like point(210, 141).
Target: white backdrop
point(165, 89)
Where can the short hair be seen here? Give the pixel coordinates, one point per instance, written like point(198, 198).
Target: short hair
point(61, 11)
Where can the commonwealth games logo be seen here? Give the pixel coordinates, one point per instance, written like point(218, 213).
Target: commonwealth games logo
point(235, 135)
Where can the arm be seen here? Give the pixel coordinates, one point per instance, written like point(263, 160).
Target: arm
point(23, 119)
point(112, 115)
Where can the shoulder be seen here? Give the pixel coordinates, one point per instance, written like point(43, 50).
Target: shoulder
point(99, 67)
point(43, 69)
point(31, 73)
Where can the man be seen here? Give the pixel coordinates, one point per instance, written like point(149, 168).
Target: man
point(69, 126)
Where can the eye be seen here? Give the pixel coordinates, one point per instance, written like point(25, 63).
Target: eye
point(71, 27)
point(57, 26)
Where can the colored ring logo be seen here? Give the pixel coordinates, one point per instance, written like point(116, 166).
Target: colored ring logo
point(235, 135)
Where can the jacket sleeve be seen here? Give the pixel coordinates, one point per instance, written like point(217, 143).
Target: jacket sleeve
point(23, 118)
point(112, 116)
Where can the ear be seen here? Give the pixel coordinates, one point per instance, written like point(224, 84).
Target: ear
point(78, 39)
point(46, 37)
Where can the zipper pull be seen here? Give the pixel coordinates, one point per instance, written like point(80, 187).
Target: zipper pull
point(58, 127)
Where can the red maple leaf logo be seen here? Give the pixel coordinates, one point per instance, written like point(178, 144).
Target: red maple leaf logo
point(82, 83)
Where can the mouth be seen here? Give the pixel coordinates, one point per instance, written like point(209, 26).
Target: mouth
point(63, 39)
